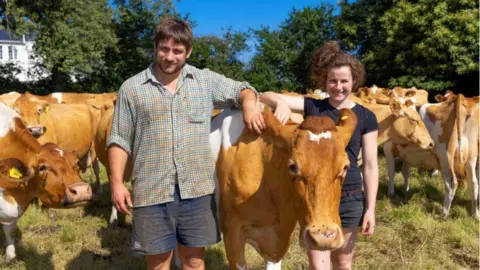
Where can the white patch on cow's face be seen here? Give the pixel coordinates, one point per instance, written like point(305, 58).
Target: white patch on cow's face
point(58, 96)
point(7, 117)
point(374, 89)
point(241, 267)
point(446, 95)
point(317, 137)
point(60, 151)
point(8, 212)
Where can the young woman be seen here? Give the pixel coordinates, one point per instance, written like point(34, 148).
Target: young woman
point(339, 74)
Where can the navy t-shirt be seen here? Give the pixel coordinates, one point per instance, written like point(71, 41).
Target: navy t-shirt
point(367, 122)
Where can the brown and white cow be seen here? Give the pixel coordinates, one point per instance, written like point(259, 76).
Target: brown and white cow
point(70, 126)
point(453, 125)
point(269, 182)
point(43, 171)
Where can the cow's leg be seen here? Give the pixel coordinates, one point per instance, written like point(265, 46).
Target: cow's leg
point(451, 184)
point(113, 222)
point(273, 266)
point(473, 185)
point(406, 175)
point(387, 149)
point(235, 246)
point(9, 231)
point(96, 171)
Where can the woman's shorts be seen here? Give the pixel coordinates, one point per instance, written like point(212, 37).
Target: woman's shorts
point(352, 209)
point(191, 222)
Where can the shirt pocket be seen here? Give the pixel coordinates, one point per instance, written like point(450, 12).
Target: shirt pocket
point(198, 108)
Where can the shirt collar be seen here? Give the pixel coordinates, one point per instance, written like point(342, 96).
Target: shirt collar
point(150, 73)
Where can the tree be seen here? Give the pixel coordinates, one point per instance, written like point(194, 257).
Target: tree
point(429, 44)
point(220, 54)
point(283, 57)
point(71, 35)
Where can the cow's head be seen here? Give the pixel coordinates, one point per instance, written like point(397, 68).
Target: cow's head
point(30, 112)
point(317, 167)
point(58, 179)
point(407, 126)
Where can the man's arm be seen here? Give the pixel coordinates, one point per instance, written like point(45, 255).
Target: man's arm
point(119, 148)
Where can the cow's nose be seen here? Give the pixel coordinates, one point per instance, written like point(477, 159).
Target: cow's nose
point(78, 192)
point(323, 239)
point(37, 131)
point(430, 145)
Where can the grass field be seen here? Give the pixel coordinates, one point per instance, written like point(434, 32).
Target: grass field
point(411, 234)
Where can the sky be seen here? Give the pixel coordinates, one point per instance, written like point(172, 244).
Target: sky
point(212, 17)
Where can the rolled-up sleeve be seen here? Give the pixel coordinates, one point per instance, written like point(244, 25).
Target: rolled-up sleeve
point(122, 130)
point(225, 91)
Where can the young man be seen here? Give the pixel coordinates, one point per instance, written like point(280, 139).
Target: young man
point(162, 121)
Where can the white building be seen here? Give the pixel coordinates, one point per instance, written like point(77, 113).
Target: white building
point(19, 51)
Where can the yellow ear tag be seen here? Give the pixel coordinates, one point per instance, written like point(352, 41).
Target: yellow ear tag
point(344, 117)
point(47, 108)
point(15, 173)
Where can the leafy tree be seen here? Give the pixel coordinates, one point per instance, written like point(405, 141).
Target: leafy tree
point(71, 35)
point(284, 56)
point(429, 44)
point(134, 25)
point(220, 54)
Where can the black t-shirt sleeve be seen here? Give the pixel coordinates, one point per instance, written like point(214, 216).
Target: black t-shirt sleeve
point(307, 106)
point(370, 122)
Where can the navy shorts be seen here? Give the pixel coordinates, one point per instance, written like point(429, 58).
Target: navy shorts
point(352, 210)
point(191, 222)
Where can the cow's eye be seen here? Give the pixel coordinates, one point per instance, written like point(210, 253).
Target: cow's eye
point(293, 169)
point(43, 168)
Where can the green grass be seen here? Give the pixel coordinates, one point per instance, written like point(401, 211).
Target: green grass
point(411, 234)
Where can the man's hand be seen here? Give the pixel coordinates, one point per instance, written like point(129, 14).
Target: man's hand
point(121, 198)
point(252, 116)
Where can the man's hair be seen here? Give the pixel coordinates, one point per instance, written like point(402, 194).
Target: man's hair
point(330, 56)
point(178, 30)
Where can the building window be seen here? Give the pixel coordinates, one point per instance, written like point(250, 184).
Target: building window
point(12, 53)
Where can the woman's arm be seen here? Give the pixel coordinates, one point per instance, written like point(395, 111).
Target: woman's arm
point(283, 104)
point(370, 180)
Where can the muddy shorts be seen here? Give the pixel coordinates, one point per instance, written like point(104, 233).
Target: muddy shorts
point(191, 222)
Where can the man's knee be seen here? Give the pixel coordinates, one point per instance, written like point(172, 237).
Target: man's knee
point(159, 261)
point(192, 257)
point(342, 265)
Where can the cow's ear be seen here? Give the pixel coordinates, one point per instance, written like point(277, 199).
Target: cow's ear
point(439, 98)
point(346, 124)
point(282, 134)
point(14, 172)
point(395, 106)
point(410, 93)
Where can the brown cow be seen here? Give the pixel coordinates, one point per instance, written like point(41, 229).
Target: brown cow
point(269, 182)
point(43, 171)
point(70, 126)
point(9, 98)
point(378, 95)
point(97, 100)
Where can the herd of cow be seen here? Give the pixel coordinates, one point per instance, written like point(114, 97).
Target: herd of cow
point(267, 183)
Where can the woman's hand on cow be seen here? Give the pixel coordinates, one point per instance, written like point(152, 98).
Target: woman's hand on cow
point(368, 225)
point(121, 198)
point(282, 111)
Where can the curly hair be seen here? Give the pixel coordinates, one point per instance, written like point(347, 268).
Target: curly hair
point(329, 56)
